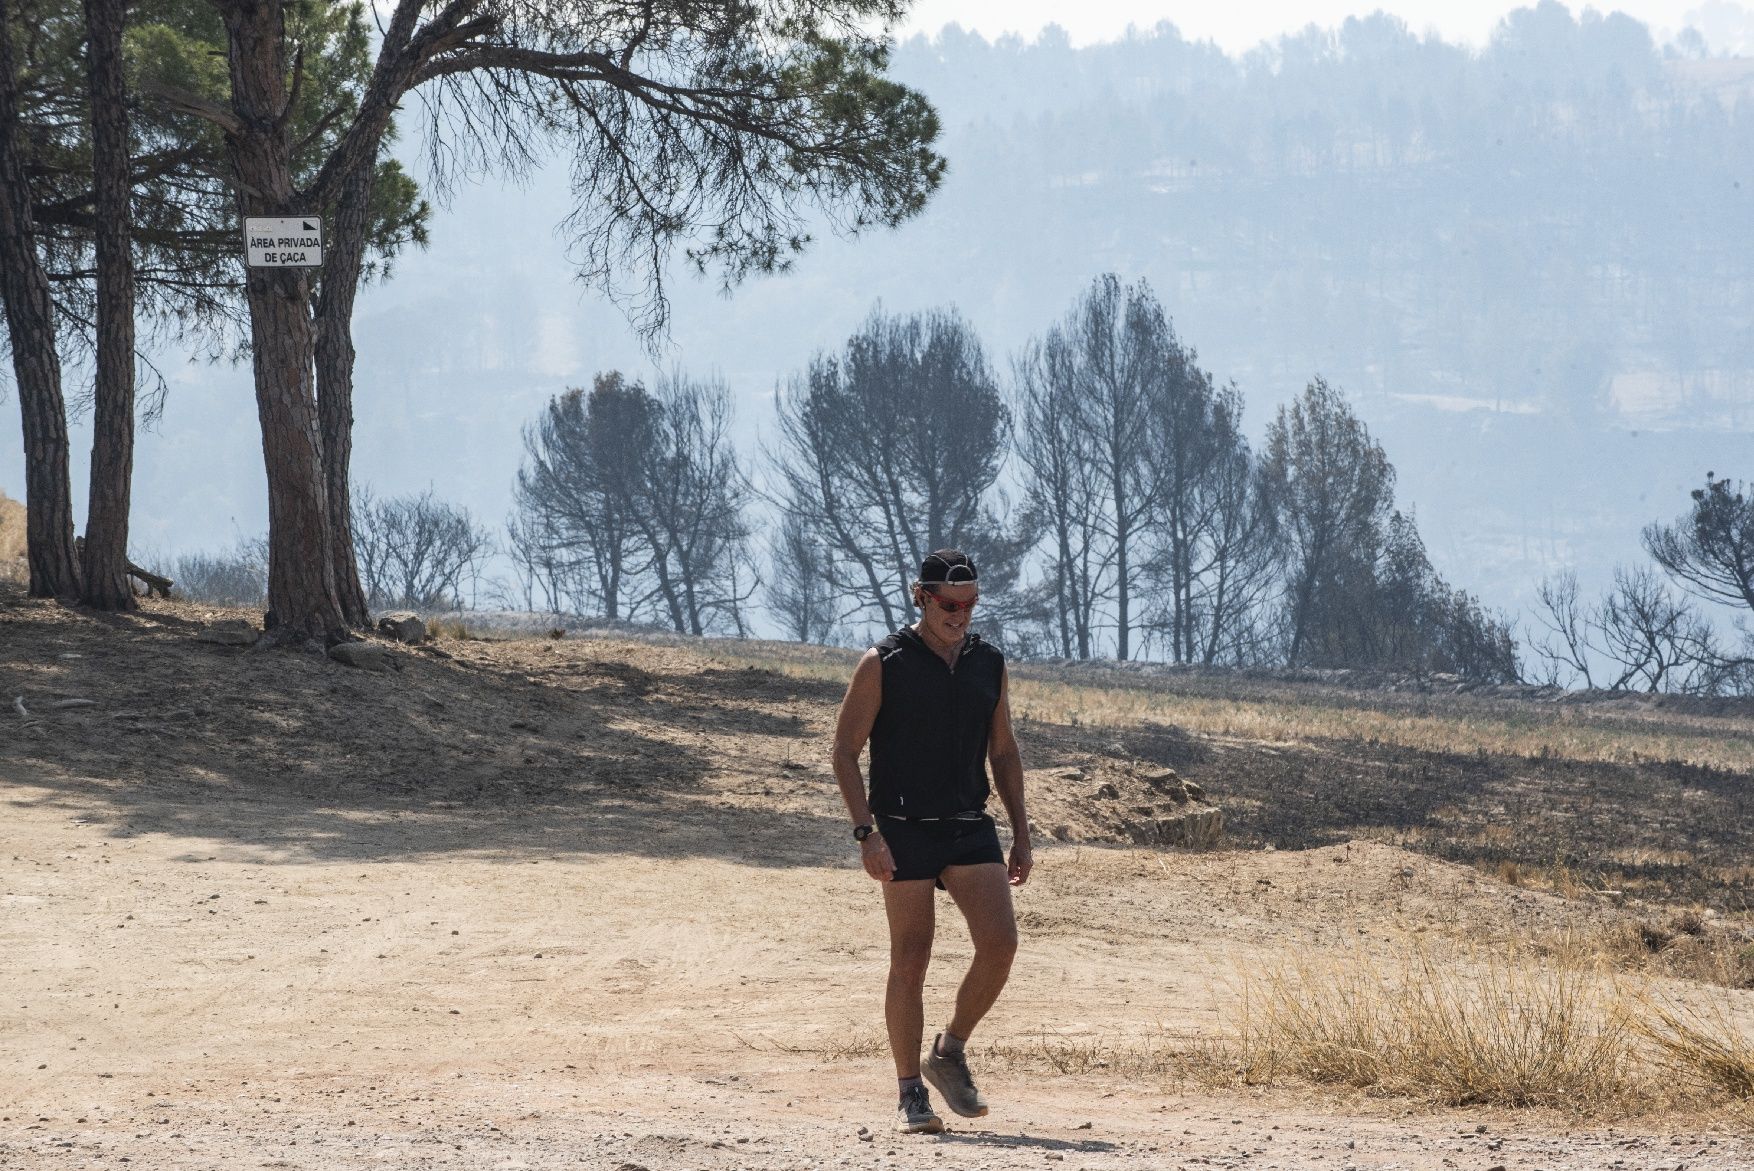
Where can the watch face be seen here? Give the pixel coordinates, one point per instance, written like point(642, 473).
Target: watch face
point(861, 832)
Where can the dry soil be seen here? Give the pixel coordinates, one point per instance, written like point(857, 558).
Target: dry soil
point(592, 904)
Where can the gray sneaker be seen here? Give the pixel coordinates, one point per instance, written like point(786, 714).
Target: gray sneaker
point(915, 1115)
point(949, 1075)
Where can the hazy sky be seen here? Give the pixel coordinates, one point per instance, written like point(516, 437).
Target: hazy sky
point(1241, 24)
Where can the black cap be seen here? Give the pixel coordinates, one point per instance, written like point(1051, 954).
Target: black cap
point(950, 566)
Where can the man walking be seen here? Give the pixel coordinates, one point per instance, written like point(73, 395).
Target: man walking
point(931, 701)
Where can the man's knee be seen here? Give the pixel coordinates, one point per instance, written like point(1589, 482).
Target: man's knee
point(997, 943)
point(909, 959)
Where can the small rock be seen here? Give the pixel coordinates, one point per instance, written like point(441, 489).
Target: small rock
point(1109, 791)
point(1062, 833)
point(1198, 828)
point(231, 632)
point(403, 626)
point(366, 656)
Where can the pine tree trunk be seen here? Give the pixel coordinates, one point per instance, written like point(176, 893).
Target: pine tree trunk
point(302, 602)
point(106, 584)
point(335, 357)
point(31, 324)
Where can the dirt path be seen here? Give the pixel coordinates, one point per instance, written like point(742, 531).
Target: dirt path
point(176, 1001)
point(592, 905)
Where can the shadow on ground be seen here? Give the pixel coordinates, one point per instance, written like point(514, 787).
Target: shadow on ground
point(589, 746)
point(1659, 828)
point(574, 748)
point(1020, 1141)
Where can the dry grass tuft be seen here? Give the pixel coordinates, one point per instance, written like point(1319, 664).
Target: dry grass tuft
point(1687, 947)
point(858, 1045)
point(1701, 1046)
point(1154, 1055)
point(1496, 1030)
point(1512, 1034)
point(835, 1047)
point(13, 563)
point(452, 629)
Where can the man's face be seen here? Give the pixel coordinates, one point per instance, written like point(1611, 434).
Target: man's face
point(941, 624)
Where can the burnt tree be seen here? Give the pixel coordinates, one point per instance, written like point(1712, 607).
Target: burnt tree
point(105, 549)
point(30, 320)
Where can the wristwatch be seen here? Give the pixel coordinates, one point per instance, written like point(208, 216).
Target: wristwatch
point(861, 832)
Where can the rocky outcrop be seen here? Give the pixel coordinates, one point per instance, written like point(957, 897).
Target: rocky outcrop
point(403, 626)
point(1190, 822)
point(1127, 801)
point(1198, 829)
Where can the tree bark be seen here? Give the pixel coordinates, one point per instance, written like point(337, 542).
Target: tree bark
point(335, 357)
point(105, 578)
point(1123, 535)
point(302, 601)
point(48, 489)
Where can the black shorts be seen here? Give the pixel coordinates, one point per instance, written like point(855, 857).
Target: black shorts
point(922, 849)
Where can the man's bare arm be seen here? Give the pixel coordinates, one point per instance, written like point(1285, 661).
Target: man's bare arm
point(1007, 764)
point(858, 711)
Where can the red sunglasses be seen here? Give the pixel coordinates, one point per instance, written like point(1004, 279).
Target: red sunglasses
point(952, 607)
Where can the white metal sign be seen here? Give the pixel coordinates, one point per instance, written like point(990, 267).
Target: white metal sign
point(283, 242)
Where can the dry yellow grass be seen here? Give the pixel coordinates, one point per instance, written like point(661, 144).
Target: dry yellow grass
point(1701, 1045)
point(13, 566)
point(452, 629)
point(1508, 1033)
point(1683, 946)
point(1465, 725)
point(1500, 1029)
point(1514, 729)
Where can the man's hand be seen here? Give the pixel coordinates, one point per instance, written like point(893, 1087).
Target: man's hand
point(879, 863)
point(1022, 862)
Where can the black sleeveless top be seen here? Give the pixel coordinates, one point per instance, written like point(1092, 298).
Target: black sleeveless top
point(929, 741)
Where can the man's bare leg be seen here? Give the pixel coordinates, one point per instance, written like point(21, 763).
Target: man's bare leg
point(910, 909)
point(983, 893)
